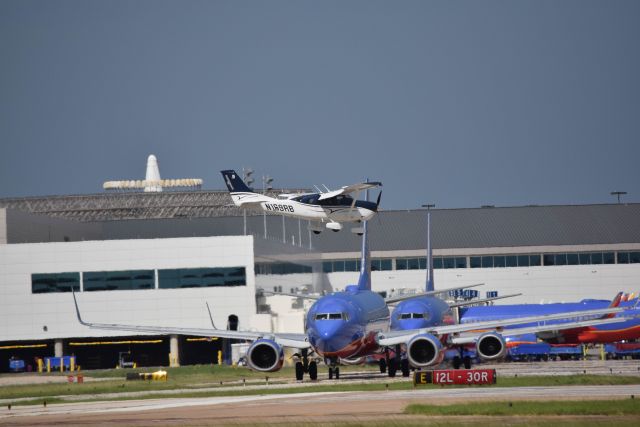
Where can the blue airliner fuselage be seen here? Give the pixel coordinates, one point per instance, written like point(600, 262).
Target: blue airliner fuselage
point(343, 325)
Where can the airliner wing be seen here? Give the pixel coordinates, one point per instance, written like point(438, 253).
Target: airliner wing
point(287, 294)
point(350, 189)
point(399, 337)
point(481, 301)
point(471, 337)
point(287, 340)
point(430, 293)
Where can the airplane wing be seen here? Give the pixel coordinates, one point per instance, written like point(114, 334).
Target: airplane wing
point(393, 300)
point(287, 294)
point(468, 338)
point(400, 337)
point(480, 301)
point(350, 189)
point(298, 341)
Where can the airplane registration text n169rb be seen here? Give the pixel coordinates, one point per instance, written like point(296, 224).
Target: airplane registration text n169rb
point(455, 377)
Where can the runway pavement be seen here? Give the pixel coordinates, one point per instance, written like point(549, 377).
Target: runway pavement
point(289, 408)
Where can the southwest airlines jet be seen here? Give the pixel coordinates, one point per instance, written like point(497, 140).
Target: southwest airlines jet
point(351, 324)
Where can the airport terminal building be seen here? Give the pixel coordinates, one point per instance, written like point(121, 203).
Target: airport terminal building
point(156, 258)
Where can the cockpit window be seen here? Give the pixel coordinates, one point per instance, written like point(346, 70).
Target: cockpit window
point(332, 316)
point(411, 316)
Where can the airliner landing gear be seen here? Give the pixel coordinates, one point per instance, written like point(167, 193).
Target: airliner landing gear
point(383, 365)
point(305, 366)
point(392, 364)
point(334, 369)
point(315, 231)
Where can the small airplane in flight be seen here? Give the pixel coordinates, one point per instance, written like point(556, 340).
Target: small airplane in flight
point(345, 326)
point(331, 208)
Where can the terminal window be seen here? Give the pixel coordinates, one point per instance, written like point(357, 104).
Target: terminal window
point(201, 277)
point(118, 280)
point(55, 282)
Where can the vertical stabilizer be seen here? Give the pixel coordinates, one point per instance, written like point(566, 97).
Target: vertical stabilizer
point(429, 255)
point(153, 174)
point(364, 281)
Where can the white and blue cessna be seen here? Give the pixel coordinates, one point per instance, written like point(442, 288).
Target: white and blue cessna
point(330, 208)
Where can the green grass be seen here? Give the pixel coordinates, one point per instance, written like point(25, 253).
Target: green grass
point(216, 379)
point(563, 407)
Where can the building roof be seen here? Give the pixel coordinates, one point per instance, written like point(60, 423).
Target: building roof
point(496, 227)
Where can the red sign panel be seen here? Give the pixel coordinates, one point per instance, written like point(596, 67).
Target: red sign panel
point(456, 377)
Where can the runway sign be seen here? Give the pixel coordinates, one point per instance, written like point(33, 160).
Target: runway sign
point(455, 377)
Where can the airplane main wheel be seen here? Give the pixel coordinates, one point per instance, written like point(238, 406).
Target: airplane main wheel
point(330, 373)
point(467, 362)
point(393, 367)
point(335, 231)
point(299, 371)
point(315, 232)
point(404, 366)
point(337, 373)
point(457, 362)
point(383, 365)
point(313, 371)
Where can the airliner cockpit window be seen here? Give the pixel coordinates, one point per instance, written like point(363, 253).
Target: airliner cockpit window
point(322, 316)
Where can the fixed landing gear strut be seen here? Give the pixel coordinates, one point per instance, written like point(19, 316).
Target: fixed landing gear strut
point(306, 366)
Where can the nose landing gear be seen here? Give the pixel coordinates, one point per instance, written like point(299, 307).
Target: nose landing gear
point(305, 366)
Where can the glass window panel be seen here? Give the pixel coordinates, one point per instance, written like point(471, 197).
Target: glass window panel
point(534, 260)
point(350, 265)
point(338, 265)
point(438, 263)
point(561, 259)
point(201, 277)
point(475, 262)
point(572, 259)
point(413, 264)
point(523, 260)
point(623, 257)
point(461, 262)
point(499, 261)
point(423, 263)
point(634, 257)
point(511, 261)
point(385, 264)
point(487, 262)
point(327, 267)
point(584, 259)
point(609, 258)
point(596, 258)
point(375, 265)
point(401, 264)
point(357, 265)
point(42, 283)
point(549, 259)
point(448, 262)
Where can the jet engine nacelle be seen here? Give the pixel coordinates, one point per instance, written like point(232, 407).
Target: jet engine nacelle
point(424, 350)
point(491, 346)
point(265, 356)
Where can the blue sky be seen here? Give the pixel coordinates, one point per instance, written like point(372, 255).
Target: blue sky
point(457, 103)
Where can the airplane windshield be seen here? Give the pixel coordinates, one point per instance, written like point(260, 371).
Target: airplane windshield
point(411, 315)
point(331, 316)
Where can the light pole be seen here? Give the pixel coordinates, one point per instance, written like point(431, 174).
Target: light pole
point(248, 179)
point(429, 250)
point(618, 193)
point(266, 185)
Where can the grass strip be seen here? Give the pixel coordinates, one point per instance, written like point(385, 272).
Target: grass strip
point(563, 407)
